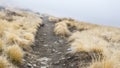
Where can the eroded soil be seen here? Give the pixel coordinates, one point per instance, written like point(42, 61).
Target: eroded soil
point(48, 50)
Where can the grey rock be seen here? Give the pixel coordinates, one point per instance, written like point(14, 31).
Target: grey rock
point(34, 65)
point(29, 65)
point(44, 34)
point(60, 41)
point(45, 45)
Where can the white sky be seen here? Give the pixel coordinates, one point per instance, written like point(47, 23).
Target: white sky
point(106, 12)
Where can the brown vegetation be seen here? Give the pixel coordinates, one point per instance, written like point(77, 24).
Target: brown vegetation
point(17, 32)
point(101, 40)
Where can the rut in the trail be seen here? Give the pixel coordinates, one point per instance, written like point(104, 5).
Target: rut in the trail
point(51, 51)
point(47, 45)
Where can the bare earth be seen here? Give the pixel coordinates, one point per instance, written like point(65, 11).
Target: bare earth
point(51, 51)
point(48, 50)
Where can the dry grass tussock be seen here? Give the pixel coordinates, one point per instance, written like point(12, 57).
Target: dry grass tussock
point(15, 53)
point(111, 61)
point(102, 40)
point(4, 63)
point(53, 19)
point(17, 32)
point(67, 23)
point(86, 42)
point(61, 29)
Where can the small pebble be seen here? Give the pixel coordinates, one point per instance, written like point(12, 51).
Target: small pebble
point(45, 45)
point(59, 52)
point(69, 49)
point(56, 63)
point(53, 50)
point(44, 34)
point(56, 42)
point(62, 58)
point(64, 64)
point(34, 65)
point(29, 65)
point(61, 41)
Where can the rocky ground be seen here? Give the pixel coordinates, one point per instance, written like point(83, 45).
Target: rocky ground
point(48, 50)
point(51, 51)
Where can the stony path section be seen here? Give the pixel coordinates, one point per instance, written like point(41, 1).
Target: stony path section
point(50, 46)
point(51, 51)
point(48, 49)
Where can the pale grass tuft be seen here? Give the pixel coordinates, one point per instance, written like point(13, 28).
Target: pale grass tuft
point(15, 25)
point(15, 53)
point(31, 30)
point(103, 64)
point(70, 23)
point(17, 30)
point(3, 62)
point(84, 26)
point(2, 14)
point(29, 37)
point(25, 44)
point(12, 38)
point(61, 29)
point(1, 30)
point(85, 42)
point(78, 46)
point(53, 19)
point(3, 25)
point(74, 36)
point(1, 45)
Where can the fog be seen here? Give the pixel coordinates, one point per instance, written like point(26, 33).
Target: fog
point(104, 12)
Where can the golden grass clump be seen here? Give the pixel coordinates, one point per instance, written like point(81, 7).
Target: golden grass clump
point(53, 19)
point(70, 23)
point(31, 30)
point(29, 37)
point(110, 60)
point(100, 42)
point(74, 36)
point(25, 44)
point(1, 45)
point(38, 22)
point(15, 53)
point(33, 24)
point(85, 42)
point(84, 26)
point(115, 38)
point(12, 38)
point(102, 64)
point(2, 14)
point(78, 46)
point(3, 26)
point(61, 29)
point(17, 32)
point(4, 63)
point(15, 25)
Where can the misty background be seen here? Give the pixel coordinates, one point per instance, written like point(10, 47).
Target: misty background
point(104, 12)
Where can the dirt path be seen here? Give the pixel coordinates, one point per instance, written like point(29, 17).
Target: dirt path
point(51, 51)
point(48, 50)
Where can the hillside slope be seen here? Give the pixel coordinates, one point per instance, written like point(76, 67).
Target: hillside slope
point(31, 40)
